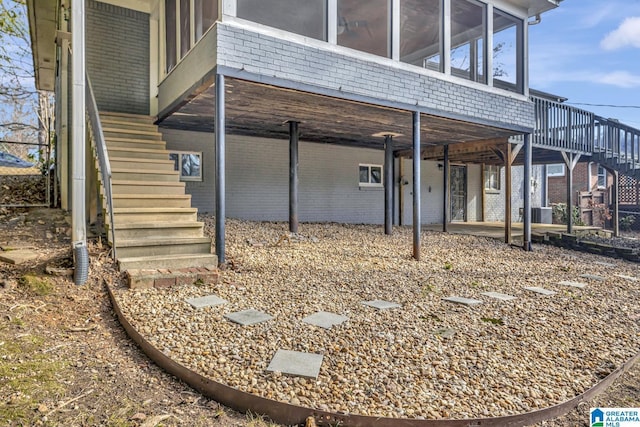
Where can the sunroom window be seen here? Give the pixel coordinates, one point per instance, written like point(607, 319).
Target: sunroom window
point(307, 18)
point(205, 14)
point(468, 44)
point(365, 25)
point(420, 33)
point(507, 51)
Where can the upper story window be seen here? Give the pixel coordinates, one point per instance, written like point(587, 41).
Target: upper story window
point(307, 18)
point(420, 33)
point(468, 43)
point(185, 22)
point(508, 55)
point(365, 25)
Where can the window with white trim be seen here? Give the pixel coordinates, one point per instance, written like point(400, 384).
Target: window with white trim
point(492, 178)
point(555, 170)
point(602, 177)
point(370, 175)
point(189, 163)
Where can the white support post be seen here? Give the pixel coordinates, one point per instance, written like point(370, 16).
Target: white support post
point(78, 218)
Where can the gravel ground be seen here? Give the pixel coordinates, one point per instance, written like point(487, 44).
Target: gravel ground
point(503, 357)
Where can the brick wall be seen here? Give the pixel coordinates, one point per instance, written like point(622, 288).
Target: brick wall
point(557, 187)
point(240, 48)
point(117, 57)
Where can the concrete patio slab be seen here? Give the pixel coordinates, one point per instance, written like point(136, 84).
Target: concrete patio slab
point(325, 319)
point(248, 317)
point(463, 301)
point(17, 257)
point(296, 363)
point(541, 291)
point(446, 332)
point(381, 304)
point(499, 296)
point(605, 264)
point(206, 301)
point(573, 284)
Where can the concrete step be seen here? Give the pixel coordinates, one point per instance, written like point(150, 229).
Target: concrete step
point(156, 230)
point(112, 132)
point(150, 144)
point(167, 262)
point(138, 153)
point(128, 117)
point(147, 187)
point(151, 247)
point(145, 175)
point(141, 164)
point(153, 214)
point(112, 122)
point(151, 200)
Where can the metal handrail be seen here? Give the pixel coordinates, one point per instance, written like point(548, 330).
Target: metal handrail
point(100, 148)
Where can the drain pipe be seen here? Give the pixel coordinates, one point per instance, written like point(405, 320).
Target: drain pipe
point(78, 213)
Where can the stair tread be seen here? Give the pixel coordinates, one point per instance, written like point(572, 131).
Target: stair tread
point(154, 210)
point(152, 196)
point(162, 183)
point(127, 243)
point(164, 257)
point(131, 131)
point(133, 140)
point(119, 114)
point(138, 150)
point(158, 225)
point(130, 160)
point(145, 171)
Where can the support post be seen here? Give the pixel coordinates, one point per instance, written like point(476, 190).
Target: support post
point(528, 154)
point(220, 169)
point(293, 176)
point(507, 194)
point(416, 186)
point(446, 209)
point(570, 160)
point(388, 184)
point(400, 191)
point(615, 216)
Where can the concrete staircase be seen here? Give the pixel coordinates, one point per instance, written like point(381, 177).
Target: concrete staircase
point(154, 223)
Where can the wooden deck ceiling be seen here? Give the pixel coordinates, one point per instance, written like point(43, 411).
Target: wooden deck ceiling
point(260, 110)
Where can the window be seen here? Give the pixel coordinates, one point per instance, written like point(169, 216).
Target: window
point(185, 27)
point(370, 175)
point(602, 177)
point(492, 178)
point(188, 163)
point(420, 29)
point(365, 25)
point(170, 32)
point(468, 28)
point(205, 14)
point(507, 51)
point(555, 170)
point(307, 18)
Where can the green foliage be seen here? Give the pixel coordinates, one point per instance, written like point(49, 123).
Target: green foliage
point(448, 266)
point(627, 222)
point(560, 214)
point(35, 285)
point(493, 321)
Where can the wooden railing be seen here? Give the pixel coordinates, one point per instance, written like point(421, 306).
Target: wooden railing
point(562, 127)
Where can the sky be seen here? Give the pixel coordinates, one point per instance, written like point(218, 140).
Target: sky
point(589, 51)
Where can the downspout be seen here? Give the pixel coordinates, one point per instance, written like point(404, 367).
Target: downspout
point(78, 213)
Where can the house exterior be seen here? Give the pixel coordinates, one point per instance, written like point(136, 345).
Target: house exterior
point(378, 111)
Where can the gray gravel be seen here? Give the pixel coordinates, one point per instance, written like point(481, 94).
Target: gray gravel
point(429, 358)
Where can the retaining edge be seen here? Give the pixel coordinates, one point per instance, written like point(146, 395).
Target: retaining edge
point(285, 413)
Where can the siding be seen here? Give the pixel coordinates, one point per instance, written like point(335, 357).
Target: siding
point(117, 57)
point(261, 54)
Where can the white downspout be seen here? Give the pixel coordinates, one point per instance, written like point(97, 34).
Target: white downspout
point(78, 123)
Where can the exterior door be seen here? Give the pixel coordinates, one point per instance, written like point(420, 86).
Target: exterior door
point(458, 193)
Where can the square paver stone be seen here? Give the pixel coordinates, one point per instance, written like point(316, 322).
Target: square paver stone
point(463, 301)
point(605, 264)
point(501, 297)
point(629, 278)
point(248, 317)
point(381, 305)
point(17, 257)
point(324, 319)
point(540, 290)
point(296, 363)
point(593, 277)
point(206, 301)
point(573, 284)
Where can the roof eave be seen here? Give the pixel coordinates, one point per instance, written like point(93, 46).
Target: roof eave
point(42, 29)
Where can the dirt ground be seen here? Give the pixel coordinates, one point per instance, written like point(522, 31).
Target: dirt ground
point(65, 360)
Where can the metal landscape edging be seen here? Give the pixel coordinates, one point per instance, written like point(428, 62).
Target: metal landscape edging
point(285, 413)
